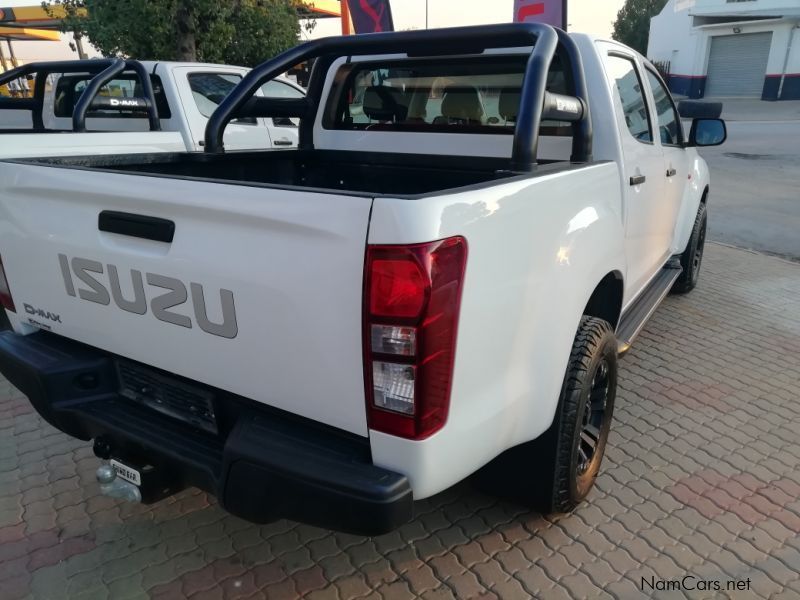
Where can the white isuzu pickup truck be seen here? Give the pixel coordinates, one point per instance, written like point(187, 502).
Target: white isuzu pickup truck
point(181, 99)
point(27, 126)
point(434, 284)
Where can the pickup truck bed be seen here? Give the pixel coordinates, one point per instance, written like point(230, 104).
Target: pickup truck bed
point(356, 173)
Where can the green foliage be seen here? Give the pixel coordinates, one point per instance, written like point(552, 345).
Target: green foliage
point(632, 26)
point(240, 32)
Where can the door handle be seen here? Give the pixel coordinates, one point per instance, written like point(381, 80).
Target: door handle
point(133, 225)
point(282, 142)
point(671, 172)
point(638, 179)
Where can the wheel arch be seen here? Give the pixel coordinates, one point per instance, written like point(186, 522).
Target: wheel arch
point(606, 299)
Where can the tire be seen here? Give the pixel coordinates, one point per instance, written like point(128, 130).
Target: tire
point(692, 257)
point(555, 472)
point(699, 109)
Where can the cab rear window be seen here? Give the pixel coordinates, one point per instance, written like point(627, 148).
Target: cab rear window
point(448, 96)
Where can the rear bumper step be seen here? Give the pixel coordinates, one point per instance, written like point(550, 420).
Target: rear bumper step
point(262, 465)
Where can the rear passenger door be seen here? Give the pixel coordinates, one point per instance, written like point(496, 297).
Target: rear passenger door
point(677, 163)
point(201, 90)
point(646, 215)
point(282, 130)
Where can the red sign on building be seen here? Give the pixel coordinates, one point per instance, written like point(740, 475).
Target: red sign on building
point(551, 12)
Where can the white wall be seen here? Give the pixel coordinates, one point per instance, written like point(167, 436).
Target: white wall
point(703, 7)
point(672, 38)
point(793, 65)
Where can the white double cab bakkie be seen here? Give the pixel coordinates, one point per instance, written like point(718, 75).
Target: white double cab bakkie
point(435, 284)
point(170, 116)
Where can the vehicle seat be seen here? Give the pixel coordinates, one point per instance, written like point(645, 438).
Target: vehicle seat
point(461, 105)
point(382, 103)
point(508, 104)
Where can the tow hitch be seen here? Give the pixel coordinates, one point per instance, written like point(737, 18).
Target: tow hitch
point(116, 487)
point(129, 476)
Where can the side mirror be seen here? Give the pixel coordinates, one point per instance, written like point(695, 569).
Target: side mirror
point(708, 132)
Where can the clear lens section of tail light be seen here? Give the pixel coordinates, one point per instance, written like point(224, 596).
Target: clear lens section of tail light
point(393, 339)
point(393, 386)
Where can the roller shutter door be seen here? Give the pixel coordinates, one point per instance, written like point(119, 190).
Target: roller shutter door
point(737, 64)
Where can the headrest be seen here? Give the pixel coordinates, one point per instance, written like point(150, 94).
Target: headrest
point(462, 102)
point(509, 104)
point(557, 82)
point(382, 103)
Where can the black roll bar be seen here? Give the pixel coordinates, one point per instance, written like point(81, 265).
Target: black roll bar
point(106, 69)
point(546, 41)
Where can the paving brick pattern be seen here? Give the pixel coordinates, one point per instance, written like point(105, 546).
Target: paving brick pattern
point(702, 478)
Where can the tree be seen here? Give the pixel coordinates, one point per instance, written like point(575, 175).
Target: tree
point(632, 26)
point(240, 32)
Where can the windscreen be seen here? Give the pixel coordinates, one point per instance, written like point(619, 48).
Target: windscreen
point(472, 95)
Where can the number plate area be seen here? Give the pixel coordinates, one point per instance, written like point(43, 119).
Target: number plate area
point(125, 472)
point(168, 396)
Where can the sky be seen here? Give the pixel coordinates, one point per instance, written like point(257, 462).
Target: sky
point(587, 16)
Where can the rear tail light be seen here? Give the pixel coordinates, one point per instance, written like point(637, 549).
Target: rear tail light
point(5, 292)
point(411, 306)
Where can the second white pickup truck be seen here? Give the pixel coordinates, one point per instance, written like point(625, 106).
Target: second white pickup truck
point(437, 282)
point(183, 97)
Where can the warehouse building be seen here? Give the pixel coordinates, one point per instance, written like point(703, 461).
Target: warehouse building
point(729, 48)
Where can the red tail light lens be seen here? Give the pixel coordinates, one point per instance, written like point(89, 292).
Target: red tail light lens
point(397, 287)
point(5, 292)
point(413, 297)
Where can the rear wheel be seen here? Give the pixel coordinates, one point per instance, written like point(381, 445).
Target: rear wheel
point(556, 471)
point(692, 257)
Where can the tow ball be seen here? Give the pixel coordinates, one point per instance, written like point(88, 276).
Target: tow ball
point(116, 487)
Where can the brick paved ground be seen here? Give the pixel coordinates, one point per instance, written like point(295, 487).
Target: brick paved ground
point(702, 477)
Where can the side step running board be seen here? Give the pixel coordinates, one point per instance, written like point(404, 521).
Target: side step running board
point(645, 305)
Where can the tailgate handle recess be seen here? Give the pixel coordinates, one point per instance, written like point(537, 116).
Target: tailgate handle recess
point(141, 226)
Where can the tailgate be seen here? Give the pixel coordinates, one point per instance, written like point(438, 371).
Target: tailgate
point(259, 293)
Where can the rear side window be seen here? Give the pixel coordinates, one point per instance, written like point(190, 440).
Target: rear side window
point(70, 87)
point(630, 96)
point(279, 89)
point(668, 121)
point(448, 96)
point(209, 89)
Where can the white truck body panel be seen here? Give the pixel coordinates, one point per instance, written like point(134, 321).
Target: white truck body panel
point(294, 266)
point(67, 144)
point(507, 354)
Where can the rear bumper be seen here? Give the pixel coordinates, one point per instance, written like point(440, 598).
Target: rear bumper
point(263, 464)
